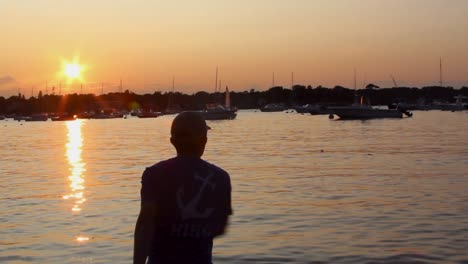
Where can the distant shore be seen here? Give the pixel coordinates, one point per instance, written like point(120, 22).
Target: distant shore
point(158, 101)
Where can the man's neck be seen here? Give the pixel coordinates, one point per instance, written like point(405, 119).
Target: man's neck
point(189, 155)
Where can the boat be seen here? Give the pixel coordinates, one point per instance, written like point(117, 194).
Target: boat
point(274, 107)
point(172, 108)
point(63, 117)
point(302, 109)
point(149, 114)
point(312, 109)
point(107, 113)
point(365, 111)
point(459, 105)
point(36, 117)
point(319, 110)
point(217, 111)
point(85, 115)
point(420, 105)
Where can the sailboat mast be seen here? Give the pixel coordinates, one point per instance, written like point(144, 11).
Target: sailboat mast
point(216, 80)
point(273, 80)
point(440, 72)
point(354, 79)
point(292, 79)
point(228, 98)
point(173, 83)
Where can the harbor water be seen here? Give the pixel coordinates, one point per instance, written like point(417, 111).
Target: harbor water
point(305, 189)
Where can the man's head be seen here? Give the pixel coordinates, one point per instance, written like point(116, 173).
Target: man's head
point(189, 134)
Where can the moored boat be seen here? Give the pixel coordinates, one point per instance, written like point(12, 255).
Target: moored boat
point(312, 109)
point(365, 111)
point(63, 117)
point(36, 117)
point(216, 111)
point(274, 108)
point(459, 104)
point(149, 114)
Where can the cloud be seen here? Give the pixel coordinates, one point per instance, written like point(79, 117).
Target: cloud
point(8, 86)
point(7, 80)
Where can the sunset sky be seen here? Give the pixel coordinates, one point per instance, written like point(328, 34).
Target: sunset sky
point(146, 43)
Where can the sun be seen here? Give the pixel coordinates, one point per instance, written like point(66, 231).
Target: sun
point(72, 70)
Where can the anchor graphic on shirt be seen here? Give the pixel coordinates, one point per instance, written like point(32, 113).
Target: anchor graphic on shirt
point(189, 210)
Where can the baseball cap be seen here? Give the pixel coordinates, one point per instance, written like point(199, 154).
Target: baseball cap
point(188, 126)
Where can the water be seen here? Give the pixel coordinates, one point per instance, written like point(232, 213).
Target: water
point(305, 189)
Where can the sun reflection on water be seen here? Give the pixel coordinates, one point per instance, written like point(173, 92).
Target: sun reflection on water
point(77, 167)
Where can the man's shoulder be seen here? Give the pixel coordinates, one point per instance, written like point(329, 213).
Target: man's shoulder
point(161, 164)
point(217, 170)
point(158, 167)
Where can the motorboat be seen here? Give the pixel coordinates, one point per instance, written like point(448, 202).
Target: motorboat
point(312, 109)
point(36, 117)
point(149, 114)
point(63, 117)
point(274, 107)
point(459, 105)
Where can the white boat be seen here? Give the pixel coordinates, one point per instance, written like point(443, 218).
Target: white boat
point(274, 107)
point(312, 109)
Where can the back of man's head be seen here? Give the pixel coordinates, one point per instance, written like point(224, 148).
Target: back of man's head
point(189, 133)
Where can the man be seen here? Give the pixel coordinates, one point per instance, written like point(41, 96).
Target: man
point(185, 201)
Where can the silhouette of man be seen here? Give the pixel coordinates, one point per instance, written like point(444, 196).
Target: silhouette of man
point(185, 201)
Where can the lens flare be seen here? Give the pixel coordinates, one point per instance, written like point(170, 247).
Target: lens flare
point(72, 70)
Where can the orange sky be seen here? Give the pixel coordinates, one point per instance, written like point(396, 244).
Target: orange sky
point(146, 44)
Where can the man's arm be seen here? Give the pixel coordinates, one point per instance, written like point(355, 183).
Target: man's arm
point(226, 206)
point(144, 231)
point(222, 227)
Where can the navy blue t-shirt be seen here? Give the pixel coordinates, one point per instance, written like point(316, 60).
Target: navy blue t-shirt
point(192, 199)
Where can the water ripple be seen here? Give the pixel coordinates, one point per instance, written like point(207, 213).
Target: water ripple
point(305, 189)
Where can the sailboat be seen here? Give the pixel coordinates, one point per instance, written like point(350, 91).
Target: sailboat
point(360, 110)
point(172, 108)
point(364, 110)
point(217, 111)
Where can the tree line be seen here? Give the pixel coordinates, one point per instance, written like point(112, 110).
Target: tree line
point(158, 101)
